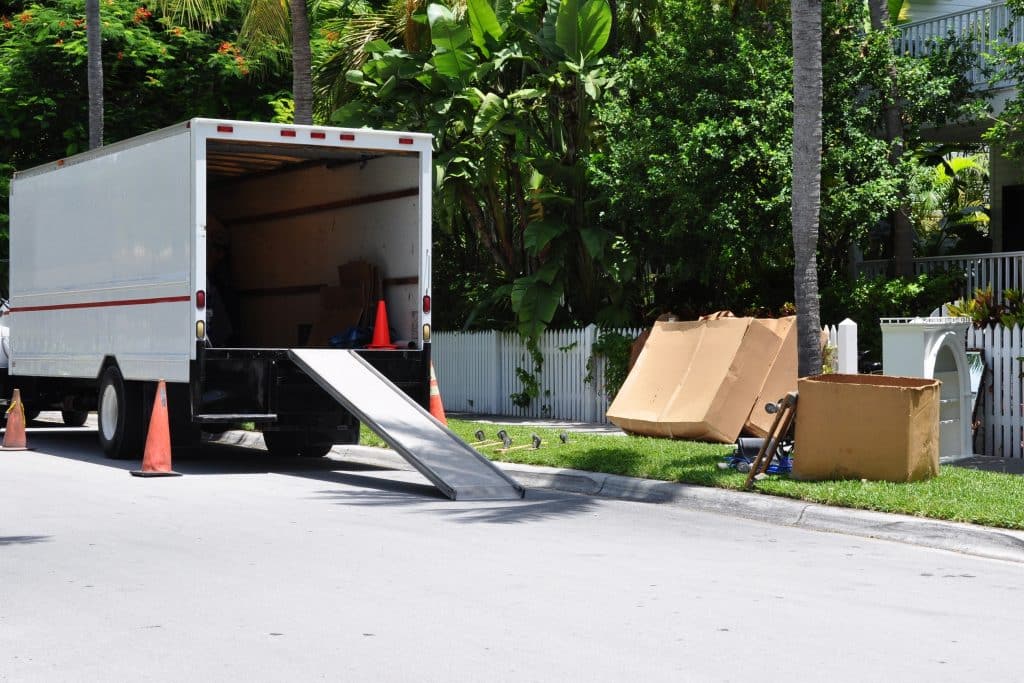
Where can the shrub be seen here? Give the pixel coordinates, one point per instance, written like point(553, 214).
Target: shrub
point(867, 299)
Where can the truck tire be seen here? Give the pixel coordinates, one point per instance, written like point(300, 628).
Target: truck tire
point(74, 418)
point(121, 416)
point(294, 444)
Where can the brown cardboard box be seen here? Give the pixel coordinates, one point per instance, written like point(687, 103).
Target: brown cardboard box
point(696, 380)
point(867, 427)
point(782, 377)
point(340, 309)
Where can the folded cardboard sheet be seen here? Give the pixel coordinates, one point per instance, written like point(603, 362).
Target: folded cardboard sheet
point(781, 379)
point(697, 379)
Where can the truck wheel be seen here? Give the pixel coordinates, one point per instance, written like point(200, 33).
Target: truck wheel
point(294, 444)
point(74, 418)
point(121, 413)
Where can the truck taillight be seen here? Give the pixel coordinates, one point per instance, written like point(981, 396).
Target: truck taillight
point(200, 299)
point(225, 129)
point(426, 303)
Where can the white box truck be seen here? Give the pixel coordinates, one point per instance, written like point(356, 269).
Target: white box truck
point(214, 254)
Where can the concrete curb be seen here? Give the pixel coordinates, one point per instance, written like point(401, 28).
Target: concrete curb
point(968, 539)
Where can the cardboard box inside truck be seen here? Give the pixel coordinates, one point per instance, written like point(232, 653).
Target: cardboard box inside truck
point(867, 427)
point(696, 379)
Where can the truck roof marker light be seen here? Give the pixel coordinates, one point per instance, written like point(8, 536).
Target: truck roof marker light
point(405, 141)
point(60, 162)
point(318, 135)
point(200, 299)
point(200, 329)
point(286, 133)
point(426, 303)
point(347, 137)
point(225, 129)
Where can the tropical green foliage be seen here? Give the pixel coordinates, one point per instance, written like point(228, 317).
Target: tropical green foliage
point(509, 96)
point(698, 143)
point(867, 300)
point(985, 310)
point(950, 205)
point(156, 74)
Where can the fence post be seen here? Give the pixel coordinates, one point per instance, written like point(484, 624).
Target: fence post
point(847, 347)
point(590, 388)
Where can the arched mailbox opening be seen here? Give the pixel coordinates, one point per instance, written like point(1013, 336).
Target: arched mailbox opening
point(934, 348)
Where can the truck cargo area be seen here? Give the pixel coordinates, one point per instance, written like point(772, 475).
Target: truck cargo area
point(312, 237)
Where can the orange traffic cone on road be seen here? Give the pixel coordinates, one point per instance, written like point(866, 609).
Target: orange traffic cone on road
point(381, 336)
point(436, 406)
point(14, 434)
point(156, 460)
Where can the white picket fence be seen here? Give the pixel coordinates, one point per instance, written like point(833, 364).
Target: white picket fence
point(477, 373)
point(1001, 428)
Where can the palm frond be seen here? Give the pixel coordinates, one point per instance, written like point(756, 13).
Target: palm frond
point(266, 21)
point(195, 13)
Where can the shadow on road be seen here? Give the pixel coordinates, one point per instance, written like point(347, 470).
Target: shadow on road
point(366, 484)
point(22, 540)
point(536, 506)
point(390, 488)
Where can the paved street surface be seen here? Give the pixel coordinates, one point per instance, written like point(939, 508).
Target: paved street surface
point(260, 569)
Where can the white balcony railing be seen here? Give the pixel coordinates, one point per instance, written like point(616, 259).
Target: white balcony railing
point(985, 26)
point(1001, 271)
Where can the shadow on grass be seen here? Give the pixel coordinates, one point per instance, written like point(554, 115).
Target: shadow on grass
point(675, 465)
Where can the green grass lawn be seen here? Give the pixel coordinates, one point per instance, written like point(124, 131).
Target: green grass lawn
point(957, 494)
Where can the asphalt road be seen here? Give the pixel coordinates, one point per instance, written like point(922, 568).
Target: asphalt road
point(260, 569)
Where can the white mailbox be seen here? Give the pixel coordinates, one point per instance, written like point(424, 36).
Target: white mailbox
point(935, 348)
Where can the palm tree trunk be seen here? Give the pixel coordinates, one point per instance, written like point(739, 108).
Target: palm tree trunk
point(94, 71)
point(807, 78)
point(302, 84)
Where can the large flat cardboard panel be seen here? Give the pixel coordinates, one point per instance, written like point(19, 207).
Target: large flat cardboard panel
point(867, 427)
point(782, 377)
point(696, 380)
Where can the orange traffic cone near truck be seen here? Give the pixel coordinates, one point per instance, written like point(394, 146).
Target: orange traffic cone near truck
point(14, 435)
point(156, 460)
point(436, 406)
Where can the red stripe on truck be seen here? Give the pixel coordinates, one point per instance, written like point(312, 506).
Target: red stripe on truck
point(103, 304)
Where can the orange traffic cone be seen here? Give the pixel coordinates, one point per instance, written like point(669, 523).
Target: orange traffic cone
point(381, 336)
point(14, 435)
point(436, 407)
point(156, 461)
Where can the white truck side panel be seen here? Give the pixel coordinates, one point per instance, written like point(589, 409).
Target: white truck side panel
point(101, 264)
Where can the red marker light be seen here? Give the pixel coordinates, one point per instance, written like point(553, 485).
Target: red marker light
point(225, 129)
point(287, 133)
point(200, 299)
point(347, 136)
point(405, 141)
point(426, 303)
point(318, 136)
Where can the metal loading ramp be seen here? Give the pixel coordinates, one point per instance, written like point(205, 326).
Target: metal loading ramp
point(450, 463)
